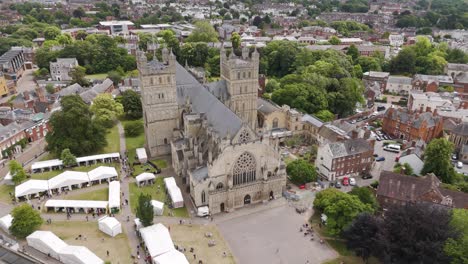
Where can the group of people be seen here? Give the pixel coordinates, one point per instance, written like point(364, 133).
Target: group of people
point(308, 230)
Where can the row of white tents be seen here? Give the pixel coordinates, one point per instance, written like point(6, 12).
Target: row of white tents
point(159, 245)
point(41, 166)
point(67, 180)
point(174, 192)
point(86, 206)
point(49, 244)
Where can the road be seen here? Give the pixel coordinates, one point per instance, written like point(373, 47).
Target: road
point(25, 83)
point(32, 151)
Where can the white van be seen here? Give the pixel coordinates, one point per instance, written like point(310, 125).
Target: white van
point(392, 148)
point(203, 211)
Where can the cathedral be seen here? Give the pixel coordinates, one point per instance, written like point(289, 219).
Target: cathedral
point(210, 131)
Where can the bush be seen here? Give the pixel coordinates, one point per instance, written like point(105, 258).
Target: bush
point(375, 184)
point(134, 128)
point(301, 172)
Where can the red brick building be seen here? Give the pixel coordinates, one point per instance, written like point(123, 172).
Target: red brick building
point(411, 126)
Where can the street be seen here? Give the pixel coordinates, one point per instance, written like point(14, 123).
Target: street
point(25, 83)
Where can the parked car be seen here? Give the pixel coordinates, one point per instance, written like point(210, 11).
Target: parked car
point(454, 156)
point(338, 185)
point(459, 164)
point(375, 155)
point(380, 159)
point(345, 181)
point(352, 181)
point(380, 108)
point(366, 176)
point(378, 138)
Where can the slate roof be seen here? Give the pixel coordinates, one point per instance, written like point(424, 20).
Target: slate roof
point(332, 133)
point(399, 80)
point(416, 119)
point(461, 129)
point(412, 189)
point(102, 87)
point(457, 67)
point(266, 107)
point(219, 116)
point(88, 95)
point(349, 147)
point(312, 120)
point(200, 174)
point(414, 161)
point(219, 90)
point(71, 90)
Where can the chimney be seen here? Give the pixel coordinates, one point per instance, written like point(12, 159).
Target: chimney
point(428, 109)
point(354, 134)
point(421, 109)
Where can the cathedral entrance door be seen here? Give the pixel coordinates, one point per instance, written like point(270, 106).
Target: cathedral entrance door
point(222, 207)
point(247, 199)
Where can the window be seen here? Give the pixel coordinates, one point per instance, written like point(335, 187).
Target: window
point(275, 123)
point(243, 75)
point(160, 80)
point(203, 197)
point(244, 136)
point(238, 75)
point(168, 79)
point(244, 170)
point(219, 186)
point(250, 75)
point(165, 141)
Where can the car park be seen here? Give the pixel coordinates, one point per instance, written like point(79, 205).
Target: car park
point(378, 138)
point(459, 164)
point(352, 181)
point(345, 181)
point(338, 185)
point(366, 176)
point(380, 159)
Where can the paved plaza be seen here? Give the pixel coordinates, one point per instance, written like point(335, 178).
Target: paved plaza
point(272, 236)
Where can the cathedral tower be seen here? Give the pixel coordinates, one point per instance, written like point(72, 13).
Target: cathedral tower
point(159, 101)
point(241, 76)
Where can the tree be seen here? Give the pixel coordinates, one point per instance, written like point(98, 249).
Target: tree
point(79, 12)
point(25, 221)
point(236, 40)
point(353, 52)
point(340, 208)
point(115, 76)
point(366, 196)
point(132, 104)
point(437, 160)
point(17, 172)
point(455, 248)
point(325, 115)
point(334, 40)
point(404, 62)
point(50, 88)
point(144, 210)
point(301, 171)
point(133, 128)
point(203, 32)
point(74, 128)
point(81, 35)
point(403, 169)
point(106, 110)
point(42, 72)
point(361, 235)
point(51, 32)
point(68, 158)
point(78, 75)
point(272, 85)
point(257, 21)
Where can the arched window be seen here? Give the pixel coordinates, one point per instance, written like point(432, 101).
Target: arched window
point(244, 170)
point(243, 106)
point(203, 197)
point(238, 75)
point(243, 75)
point(250, 75)
point(219, 186)
point(160, 80)
point(165, 141)
point(168, 79)
point(275, 123)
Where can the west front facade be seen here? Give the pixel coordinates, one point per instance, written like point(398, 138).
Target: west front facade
point(210, 131)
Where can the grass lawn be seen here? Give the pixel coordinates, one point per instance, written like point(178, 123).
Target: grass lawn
point(113, 141)
point(156, 194)
point(133, 143)
point(118, 246)
point(96, 195)
point(189, 236)
point(98, 76)
point(4, 193)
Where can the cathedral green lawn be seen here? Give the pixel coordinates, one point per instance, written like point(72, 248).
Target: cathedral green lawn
point(4, 193)
point(94, 195)
point(98, 76)
point(156, 194)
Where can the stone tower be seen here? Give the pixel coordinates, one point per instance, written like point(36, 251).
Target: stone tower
point(159, 101)
point(241, 76)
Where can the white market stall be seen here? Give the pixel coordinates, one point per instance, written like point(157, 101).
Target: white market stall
point(145, 178)
point(104, 158)
point(8, 179)
point(5, 222)
point(110, 226)
point(141, 155)
point(137, 224)
point(67, 181)
point(114, 196)
point(157, 239)
point(84, 206)
point(47, 243)
point(171, 257)
point(174, 192)
point(102, 173)
point(31, 188)
point(79, 255)
point(41, 166)
point(158, 207)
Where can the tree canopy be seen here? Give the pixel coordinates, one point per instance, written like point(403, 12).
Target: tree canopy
point(301, 171)
point(17, 172)
point(144, 210)
point(25, 221)
point(403, 169)
point(366, 196)
point(437, 160)
point(74, 128)
point(106, 110)
point(132, 104)
point(456, 247)
point(203, 32)
point(67, 158)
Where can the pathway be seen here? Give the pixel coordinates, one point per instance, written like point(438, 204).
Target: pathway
point(32, 152)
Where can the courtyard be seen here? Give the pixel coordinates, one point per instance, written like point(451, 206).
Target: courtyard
point(272, 236)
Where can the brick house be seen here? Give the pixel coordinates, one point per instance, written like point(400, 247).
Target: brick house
point(344, 158)
point(408, 125)
point(401, 189)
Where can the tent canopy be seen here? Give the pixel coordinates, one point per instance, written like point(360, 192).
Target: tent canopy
point(46, 242)
point(46, 164)
point(98, 157)
point(141, 154)
point(110, 226)
point(114, 194)
point(5, 222)
point(145, 176)
point(31, 187)
point(157, 239)
point(77, 204)
point(101, 173)
point(79, 255)
point(171, 257)
point(68, 178)
point(170, 182)
point(158, 207)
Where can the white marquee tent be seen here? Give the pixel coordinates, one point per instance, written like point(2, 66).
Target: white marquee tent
point(31, 187)
point(171, 257)
point(141, 155)
point(102, 173)
point(79, 255)
point(114, 195)
point(47, 243)
point(170, 182)
point(77, 204)
point(157, 239)
point(46, 164)
point(110, 226)
point(158, 207)
point(144, 177)
point(8, 179)
point(174, 192)
point(5, 222)
point(68, 179)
